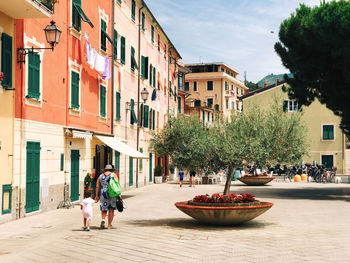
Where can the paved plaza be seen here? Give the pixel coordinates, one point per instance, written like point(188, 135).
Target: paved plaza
point(309, 222)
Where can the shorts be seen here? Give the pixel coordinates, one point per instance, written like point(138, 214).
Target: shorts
point(87, 216)
point(181, 177)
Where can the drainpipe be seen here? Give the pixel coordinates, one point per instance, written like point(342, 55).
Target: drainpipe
point(138, 97)
point(112, 99)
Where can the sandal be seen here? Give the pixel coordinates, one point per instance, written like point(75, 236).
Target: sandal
point(103, 224)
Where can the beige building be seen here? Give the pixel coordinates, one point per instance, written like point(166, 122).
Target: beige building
point(214, 89)
point(325, 138)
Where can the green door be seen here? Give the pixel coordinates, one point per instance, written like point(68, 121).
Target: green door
point(74, 175)
point(327, 161)
point(150, 167)
point(131, 171)
point(33, 177)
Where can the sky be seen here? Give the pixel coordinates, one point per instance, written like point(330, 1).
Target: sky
point(237, 32)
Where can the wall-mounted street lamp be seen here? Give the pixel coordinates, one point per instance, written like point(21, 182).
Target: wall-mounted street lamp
point(52, 34)
point(144, 95)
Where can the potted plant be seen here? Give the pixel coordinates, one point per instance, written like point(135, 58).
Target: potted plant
point(228, 209)
point(87, 182)
point(172, 170)
point(158, 172)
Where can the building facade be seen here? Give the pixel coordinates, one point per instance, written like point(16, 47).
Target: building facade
point(325, 139)
point(215, 90)
point(80, 106)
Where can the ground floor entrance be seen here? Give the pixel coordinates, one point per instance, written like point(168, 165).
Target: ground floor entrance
point(33, 177)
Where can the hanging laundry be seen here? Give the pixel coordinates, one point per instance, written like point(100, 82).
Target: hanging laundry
point(86, 47)
point(154, 94)
point(100, 63)
point(92, 57)
point(106, 75)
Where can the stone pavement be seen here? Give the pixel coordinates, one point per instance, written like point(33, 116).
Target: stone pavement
point(309, 222)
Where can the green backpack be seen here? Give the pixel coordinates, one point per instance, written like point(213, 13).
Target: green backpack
point(114, 188)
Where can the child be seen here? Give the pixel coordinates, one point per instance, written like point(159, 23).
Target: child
point(181, 175)
point(86, 207)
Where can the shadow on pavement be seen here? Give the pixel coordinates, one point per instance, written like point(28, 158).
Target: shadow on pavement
point(326, 193)
point(182, 223)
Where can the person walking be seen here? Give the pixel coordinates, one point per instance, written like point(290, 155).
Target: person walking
point(181, 177)
point(106, 203)
point(86, 207)
point(192, 178)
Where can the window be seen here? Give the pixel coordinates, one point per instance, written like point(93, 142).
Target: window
point(115, 47)
point(208, 114)
point(232, 105)
point(6, 60)
point(194, 85)
point(144, 67)
point(179, 104)
point(187, 86)
point(117, 161)
point(226, 104)
point(102, 101)
point(241, 92)
point(328, 132)
point(75, 80)
point(133, 118)
point(145, 116)
point(150, 119)
point(103, 42)
point(210, 102)
point(117, 111)
point(290, 106)
point(152, 33)
point(119, 1)
point(226, 85)
point(222, 70)
point(62, 162)
point(231, 87)
point(140, 161)
point(237, 91)
point(6, 198)
point(133, 9)
point(78, 15)
point(150, 74)
point(122, 50)
point(33, 75)
point(180, 81)
point(154, 77)
point(143, 22)
point(327, 161)
point(133, 60)
point(210, 85)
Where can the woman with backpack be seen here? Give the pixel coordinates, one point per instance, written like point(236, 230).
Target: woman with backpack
point(107, 203)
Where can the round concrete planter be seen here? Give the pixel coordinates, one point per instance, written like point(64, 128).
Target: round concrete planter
point(256, 180)
point(224, 215)
point(158, 179)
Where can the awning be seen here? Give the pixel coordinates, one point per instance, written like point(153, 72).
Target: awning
point(121, 147)
point(82, 135)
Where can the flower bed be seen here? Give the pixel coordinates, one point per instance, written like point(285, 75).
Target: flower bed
point(230, 198)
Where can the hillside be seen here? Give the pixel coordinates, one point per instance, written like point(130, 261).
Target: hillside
point(272, 79)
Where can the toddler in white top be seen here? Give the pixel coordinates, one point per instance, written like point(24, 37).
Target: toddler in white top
point(86, 207)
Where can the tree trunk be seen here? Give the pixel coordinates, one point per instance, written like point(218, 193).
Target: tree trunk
point(228, 180)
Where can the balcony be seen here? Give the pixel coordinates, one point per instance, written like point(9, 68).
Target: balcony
point(19, 9)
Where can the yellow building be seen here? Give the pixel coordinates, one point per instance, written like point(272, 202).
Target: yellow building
point(325, 139)
point(215, 88)
point(17, 9)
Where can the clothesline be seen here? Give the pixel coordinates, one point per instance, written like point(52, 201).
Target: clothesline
point(96, 61)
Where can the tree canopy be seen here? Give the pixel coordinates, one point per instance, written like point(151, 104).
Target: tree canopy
point(315, 46)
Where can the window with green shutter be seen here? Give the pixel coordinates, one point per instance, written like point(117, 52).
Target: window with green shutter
point(328, 132)
point(76, 19)
point(102, 101)
point(141, 114)
point(6, 60)
point(145, 116)
point(103, 35)
point(6, 199)
point(117, 111)
point(150, 74)
point(133, 60)
point(143, 22)
point(187, 86)
point(142, 67)
point(75, 90)
point(154, 119)
point(122, 50)
point(115, 48)
point(285, 105)
point(179, 104)
point(117, 161)
point(210, 85)
point(62, 162)
point(154, 77)
point(152, 33)
point(133, 118)
point(195, 86)
point(133, 9)
point(33, 75)
point(180, 80)
point(150, 119)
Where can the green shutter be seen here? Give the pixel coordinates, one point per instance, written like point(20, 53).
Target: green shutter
point(146, 68)
point(102, 101)
point(115, 48)
point(143, 22)
point(179, 104)
point(141, 114)
point(133, 118)
point(122, 51)
point(150, 74)
point(154, 77)
point(142, 67)
point(74, 169)
point(133, 60)
point(150, 119)
point(152, 33)
point(33, 75)
point(150, 167)
point(62, 162)
point(131, 171)
point(7, 189)
point(328, 132)
point(76, 18)
point(285, 105)
point(154, 119)
point(75, 90)
point(117, 161)
point(6, 60)
point(133, 9)
point(103, 35)
point(299, 106)
point(145, 116)
point(118, 107)
point(33, 177)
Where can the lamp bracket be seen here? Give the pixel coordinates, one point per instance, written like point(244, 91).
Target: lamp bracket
point(22, 52)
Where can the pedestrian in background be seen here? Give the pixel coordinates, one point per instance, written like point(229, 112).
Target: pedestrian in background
point(192, 178)
point(106, 203)
point(181, 177)
point(86, 207)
